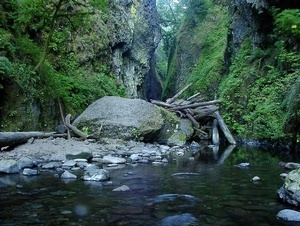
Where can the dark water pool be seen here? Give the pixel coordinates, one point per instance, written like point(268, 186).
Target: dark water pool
point(211, 188)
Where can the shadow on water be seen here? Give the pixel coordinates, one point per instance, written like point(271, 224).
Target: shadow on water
point(200, 188)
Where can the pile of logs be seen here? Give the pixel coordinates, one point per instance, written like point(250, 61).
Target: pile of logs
point(204, 115)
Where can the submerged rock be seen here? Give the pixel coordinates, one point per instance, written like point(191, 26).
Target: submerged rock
point(96, 175)
point(30, 172)
point(184, 219)
point(68, 175)
point(122, 188)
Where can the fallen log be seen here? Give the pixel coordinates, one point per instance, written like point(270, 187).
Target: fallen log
point(12, 139)
point(224, 128)
point(195, 105)
point(73, 128)
point(215, 133)
point(162, 104)
point(203, 112)
point(169, 101)
point(191, 118)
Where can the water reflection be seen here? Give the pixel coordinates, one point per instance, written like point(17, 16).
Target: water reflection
point(203, 185)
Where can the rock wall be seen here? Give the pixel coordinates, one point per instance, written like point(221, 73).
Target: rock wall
point(134, 36)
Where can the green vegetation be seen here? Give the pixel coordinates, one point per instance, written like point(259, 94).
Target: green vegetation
point(261, 91)
point(203, 37)
point(48, 50)
point(261, 87)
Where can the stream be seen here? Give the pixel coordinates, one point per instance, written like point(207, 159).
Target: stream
point(206, 186)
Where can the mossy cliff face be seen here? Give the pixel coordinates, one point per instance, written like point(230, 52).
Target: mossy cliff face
point(245, 52)
point(198, 52)
point(95, 52)
point(134, 36)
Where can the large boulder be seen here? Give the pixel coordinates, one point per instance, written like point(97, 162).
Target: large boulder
point(117, 117)
point(175, 131)
point(290, 190)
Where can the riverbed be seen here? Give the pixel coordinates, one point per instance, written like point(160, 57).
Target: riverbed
point(207, 188)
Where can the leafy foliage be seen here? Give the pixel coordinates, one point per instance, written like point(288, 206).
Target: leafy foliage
point(51, 62)
point(288, 23)
point(253, 92)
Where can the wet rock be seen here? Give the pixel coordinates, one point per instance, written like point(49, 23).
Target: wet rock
point(113, 160)
point(68, 175)
point(255, 179)
point(25, 162)
point(122, 188)
point(134, 157)
point(83, 155)
point(292, 165)
point(91, 167)
point(69, 163)
point(194, 146)
point(243, 165)
point(290, 190)
point(184, 219)
point(96, 175)
point(289, 215)
point(51, 165)
point(9, 166)
point(30, 172)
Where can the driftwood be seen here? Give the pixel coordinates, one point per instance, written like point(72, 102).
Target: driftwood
point(203, 115)
point(171, 100)
point(224, 128)
point(215, 133)
point(12, 139)
point(73, 128)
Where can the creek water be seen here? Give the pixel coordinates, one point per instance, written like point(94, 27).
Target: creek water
point(210, 187)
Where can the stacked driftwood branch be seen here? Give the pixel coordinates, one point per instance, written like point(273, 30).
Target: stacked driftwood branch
point(204, 115)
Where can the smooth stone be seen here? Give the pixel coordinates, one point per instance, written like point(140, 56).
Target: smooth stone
point(96, 175)
point(68, 175)
point(289, 215)
point(122, 188)
point(255, 179)
point(113, 160)
point(184, 219)
point(25, 162)
point(30, 172)
point(9, 166)
point(69, 163)
point(51, 165)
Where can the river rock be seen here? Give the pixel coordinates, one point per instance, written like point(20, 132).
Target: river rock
point(30, 172)
point(289, 215)
point(122, 188)
point(69, 163)
point(25, 162)
point(9, 166)
point(117, 117)
point(96, 175)
point(290, 190)
point(184, 219)
point(113, 160)
point(68, 175)
point(292, 165)
point(51, 165)
point(175, 131)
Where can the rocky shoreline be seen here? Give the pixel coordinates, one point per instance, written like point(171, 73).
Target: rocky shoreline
point(68, 155)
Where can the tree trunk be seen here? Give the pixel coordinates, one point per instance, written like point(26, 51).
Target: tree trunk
point(16, 138)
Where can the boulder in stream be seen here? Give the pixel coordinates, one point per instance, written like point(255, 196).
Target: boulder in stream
point(290, 190)
point(117, 117)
